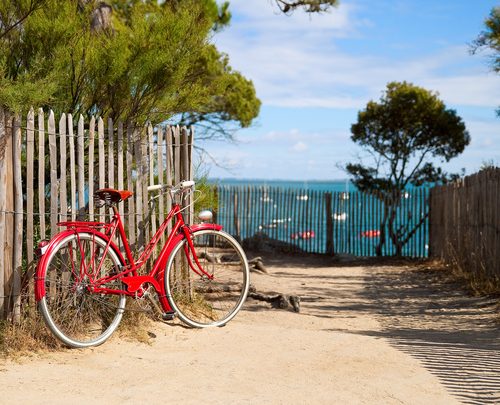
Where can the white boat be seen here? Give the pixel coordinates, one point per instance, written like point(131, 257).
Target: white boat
point(340, 216)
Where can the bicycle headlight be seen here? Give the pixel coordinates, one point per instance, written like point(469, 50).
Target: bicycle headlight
point(205, 216)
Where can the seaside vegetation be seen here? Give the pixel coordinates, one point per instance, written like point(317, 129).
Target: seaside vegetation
point(131, 60)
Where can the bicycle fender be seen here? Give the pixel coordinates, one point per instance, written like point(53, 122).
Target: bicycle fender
point(202, 227)
point(42, 261)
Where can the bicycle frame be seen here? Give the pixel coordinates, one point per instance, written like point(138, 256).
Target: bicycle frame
point(135, 283)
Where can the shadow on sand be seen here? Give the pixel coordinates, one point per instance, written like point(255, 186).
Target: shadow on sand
point(421, 311)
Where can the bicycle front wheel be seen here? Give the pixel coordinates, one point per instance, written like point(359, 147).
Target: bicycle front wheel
point(214, 298)
point(74, 314)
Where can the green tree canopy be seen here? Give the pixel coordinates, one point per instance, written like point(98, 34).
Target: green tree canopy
point(128, 59)
point(407, 133)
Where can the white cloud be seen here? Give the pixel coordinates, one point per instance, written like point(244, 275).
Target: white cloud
point(296, 61)
point(299, 147)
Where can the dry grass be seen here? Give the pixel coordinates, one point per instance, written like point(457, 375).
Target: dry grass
point(31, 335)
point(27, 337)
point(475, 284)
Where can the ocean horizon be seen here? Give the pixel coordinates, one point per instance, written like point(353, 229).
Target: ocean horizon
point(312, 185)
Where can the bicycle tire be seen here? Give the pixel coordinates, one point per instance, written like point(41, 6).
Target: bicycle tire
point(76, 316)
point(197, 300)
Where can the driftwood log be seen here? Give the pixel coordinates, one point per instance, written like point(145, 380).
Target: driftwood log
point(257, 264)
point(281, 301)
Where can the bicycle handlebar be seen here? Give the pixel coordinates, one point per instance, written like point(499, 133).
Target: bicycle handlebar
point(181, 186)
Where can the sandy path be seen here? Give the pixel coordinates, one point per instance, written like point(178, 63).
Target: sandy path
point(365, 335)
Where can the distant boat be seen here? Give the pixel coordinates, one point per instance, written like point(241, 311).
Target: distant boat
point(304, 197)
point(309, 234)
point(339, 216)
point(371, 233)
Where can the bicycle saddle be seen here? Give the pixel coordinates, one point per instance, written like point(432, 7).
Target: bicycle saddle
point(113, 195)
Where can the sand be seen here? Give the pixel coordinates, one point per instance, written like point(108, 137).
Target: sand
point(366, 334)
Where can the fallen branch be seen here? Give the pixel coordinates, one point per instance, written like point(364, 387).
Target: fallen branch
point(257, 264)
point(281, 301)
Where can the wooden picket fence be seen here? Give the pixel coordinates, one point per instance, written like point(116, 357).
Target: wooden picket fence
point(313, 221)
point(48, 174)
point(465, 224)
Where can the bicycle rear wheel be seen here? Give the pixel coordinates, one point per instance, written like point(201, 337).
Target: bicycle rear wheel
point(202, 301)
point(75, 315)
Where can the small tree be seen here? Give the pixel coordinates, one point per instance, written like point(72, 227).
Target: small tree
point(407, 133)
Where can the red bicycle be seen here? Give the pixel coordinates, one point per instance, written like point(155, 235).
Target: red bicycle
point(82, 279)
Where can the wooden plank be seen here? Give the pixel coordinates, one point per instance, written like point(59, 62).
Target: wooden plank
point(72, 167)
point(81, 167)
point(102, 161)
point(41, 172)
point(160, 154)
point(329, 224)
point(30, 192)
point(169, 166)
point(184, 167)
point(139, 214)
point(176, 155)
point(151, 165)
point(145, 180)
point(91, 157)
point(9, 220)
point(190, 171)
point(3, 203)
point(130, 185)
point(63, 190)
point(54, 189)
point(111, 154)
point(18, 220)
point(119, 165)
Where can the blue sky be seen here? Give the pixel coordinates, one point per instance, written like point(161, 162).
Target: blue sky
point(313, 73)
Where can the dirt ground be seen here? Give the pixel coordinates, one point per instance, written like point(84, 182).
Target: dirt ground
point(366, 334)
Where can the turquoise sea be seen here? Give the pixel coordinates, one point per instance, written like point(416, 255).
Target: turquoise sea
point(287, 210)
point(313, 185)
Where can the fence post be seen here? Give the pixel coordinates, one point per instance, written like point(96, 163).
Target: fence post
point(329, 224)
point(54, 189)
point(3, 181)
point(18, 221)
point(9, 217)
point(235, 215)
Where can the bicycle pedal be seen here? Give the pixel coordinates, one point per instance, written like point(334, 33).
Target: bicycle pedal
point(168, 316)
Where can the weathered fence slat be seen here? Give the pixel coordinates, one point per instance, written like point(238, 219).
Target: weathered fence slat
point(102, 161)
point(54, 189)
point(111, 152)
point(8, 251)
point(30, 157)
point(119, 165)
point(63, 191)
point(3, 206)
point(81, 165)
point(41, 172)
point(130, 186)
point(160, 152)
point(18, 220)
point(91, 157)
point(72, 167)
